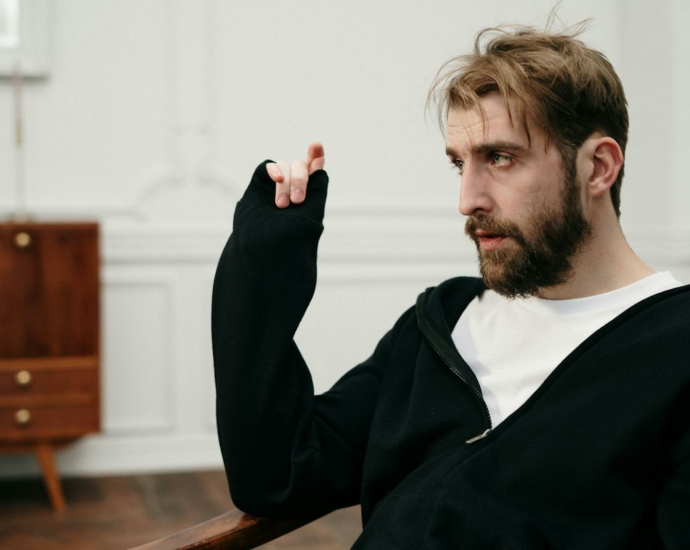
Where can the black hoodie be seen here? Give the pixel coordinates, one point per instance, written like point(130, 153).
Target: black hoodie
point(598, 457)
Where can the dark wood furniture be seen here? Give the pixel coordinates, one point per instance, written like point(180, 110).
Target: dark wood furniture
point(233, 530)
point(49, 340)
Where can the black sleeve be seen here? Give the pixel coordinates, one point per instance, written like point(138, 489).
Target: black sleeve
point(286, 452)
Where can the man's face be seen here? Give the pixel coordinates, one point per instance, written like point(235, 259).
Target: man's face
point(524, 212)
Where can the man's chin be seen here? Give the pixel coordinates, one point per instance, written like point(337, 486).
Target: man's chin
point(497, 276)
point(516, 279)
point(508, 289)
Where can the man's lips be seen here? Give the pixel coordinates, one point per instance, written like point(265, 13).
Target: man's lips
point(489, 241)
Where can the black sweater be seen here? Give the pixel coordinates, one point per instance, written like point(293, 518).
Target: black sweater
point(598, 457)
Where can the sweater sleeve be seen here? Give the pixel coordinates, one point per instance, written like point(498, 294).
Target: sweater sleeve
point(286, 452)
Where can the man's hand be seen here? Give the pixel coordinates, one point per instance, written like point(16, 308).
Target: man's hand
point(291, 178)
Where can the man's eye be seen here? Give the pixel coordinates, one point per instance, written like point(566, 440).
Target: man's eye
point(458, 164)
point(497, 159)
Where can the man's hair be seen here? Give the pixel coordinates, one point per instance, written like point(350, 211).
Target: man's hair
point(552, 80)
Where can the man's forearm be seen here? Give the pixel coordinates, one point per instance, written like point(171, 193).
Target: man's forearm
point(264, 283)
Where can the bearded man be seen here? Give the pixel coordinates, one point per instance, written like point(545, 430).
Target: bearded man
point(543, 405)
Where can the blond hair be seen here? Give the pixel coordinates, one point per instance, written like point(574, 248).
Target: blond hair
point(551, 80)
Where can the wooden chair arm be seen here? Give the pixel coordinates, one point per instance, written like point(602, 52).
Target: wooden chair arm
point(233, 530)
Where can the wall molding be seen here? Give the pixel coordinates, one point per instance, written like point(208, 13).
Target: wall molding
point(160, 420)
point(379, 235)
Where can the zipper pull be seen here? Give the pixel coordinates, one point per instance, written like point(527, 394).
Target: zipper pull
point(480, 436)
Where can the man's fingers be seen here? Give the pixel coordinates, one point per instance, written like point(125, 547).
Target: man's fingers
point(316, 157)
point(274, 172)
point(291, 179)
point(298, 181)
point(283, 186)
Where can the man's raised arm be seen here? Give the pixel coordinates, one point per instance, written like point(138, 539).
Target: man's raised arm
point(285, 451)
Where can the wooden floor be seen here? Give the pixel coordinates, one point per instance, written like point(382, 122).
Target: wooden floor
point(121, 512)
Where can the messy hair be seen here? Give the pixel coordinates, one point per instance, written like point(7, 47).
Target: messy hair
point(551, 80)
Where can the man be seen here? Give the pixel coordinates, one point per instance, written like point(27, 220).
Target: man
point(545, 405)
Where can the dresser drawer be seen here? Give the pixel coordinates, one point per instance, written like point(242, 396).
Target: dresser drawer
point(41, 423)
point(49, 375)
point(27, 381)
point(49, 290)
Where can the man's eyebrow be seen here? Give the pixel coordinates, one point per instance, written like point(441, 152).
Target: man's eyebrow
point(489, 146)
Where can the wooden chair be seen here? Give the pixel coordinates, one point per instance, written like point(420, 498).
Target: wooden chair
point(233, 530)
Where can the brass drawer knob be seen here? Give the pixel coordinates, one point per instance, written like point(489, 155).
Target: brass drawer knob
point(22, 418)
point(22, 240)
point(23, 379)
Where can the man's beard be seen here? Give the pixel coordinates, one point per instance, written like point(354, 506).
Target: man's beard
point(522, 268)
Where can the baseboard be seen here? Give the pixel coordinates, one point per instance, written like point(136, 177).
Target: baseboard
point(99, 456)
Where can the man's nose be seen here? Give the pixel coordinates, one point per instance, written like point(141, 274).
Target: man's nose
point(474, 197)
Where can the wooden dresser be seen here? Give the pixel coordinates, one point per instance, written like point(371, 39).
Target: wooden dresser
point(49, 340)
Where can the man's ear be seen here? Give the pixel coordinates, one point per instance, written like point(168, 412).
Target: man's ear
point(606, 160)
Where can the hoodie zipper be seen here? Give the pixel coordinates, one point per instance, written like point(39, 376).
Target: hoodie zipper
point(436, 342)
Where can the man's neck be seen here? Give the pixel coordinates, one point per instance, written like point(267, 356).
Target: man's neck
point(606, 263)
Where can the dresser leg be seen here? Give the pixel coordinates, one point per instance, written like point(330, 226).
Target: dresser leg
point(44, 452)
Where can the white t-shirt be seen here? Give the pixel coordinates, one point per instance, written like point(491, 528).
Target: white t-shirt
point(512, 345)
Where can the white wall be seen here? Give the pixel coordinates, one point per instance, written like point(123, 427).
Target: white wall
point(156, 112)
